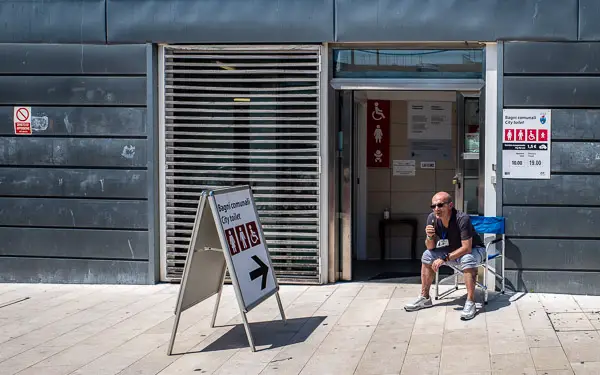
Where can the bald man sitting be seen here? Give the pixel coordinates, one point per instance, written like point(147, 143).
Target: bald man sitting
point(451, 239)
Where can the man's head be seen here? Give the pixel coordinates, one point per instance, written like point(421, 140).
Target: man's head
point(442, 205)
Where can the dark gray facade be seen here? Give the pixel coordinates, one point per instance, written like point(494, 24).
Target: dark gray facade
point(79, 199)
point(553, 224)
point(75, 199)
point(295, 21)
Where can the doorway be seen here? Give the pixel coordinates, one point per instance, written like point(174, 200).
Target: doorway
point(429, 140)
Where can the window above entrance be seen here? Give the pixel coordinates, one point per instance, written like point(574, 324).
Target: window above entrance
point(408, 63)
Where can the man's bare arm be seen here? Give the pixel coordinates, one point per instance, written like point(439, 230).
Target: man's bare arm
point(464, 249)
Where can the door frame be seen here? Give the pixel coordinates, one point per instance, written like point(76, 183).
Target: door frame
point(461, 155)
point(346, 160)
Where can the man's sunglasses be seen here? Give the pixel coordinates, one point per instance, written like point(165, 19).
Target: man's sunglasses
point(439, 205)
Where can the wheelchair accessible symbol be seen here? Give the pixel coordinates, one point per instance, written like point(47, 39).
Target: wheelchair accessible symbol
point(377, 113)
point(253, 232)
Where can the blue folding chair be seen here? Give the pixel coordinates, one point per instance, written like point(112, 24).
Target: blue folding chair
point(483, 225)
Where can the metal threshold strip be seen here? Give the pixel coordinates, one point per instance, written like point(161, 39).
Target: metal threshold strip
point(424, 84)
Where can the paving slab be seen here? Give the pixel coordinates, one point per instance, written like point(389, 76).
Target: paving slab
point(345, 328)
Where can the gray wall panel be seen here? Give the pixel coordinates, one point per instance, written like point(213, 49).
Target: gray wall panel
point(56, 21)
point(576, 124)
point(74, 243)
point(75, 213)
point(83, 271)
point(69, 90)
point(552, 222)
point(576, 157)
point(552, 225)
point(72, 59)
point(89, 152)
point(185, 21)
point(547, 254)
point(569, 282)
point(574, 92)
point(89, 121)
point(79, 186)
point(455, 20)
point(589, 13)
point(74, 183)
point(551, 58)
point(559, 189)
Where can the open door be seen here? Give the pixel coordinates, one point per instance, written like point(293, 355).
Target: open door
point(345, 182)
point(468, 180)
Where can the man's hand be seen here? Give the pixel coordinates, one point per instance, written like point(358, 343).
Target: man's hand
point(437, 264)
point(430, 230)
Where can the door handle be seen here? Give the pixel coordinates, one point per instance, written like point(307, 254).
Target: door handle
point(456, 180)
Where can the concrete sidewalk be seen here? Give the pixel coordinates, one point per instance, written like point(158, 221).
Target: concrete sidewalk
point(353, 328)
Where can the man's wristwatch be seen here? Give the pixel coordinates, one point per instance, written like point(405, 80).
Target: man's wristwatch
point(446, 257)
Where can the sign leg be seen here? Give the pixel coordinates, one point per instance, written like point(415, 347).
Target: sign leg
point(281, 308)
point(214, 317)
point(248, 333)
point(175, 325)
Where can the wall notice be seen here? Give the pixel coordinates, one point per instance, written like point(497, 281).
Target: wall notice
point(22, 120)
point(429, 120)
point(526, 143)
point(404, 168)
point(378, 134)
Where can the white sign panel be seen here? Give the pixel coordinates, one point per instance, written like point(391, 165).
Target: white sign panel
point(247, 254)
point(429, 120)
point(428, 165)
point(526, 143)
point(404, 168)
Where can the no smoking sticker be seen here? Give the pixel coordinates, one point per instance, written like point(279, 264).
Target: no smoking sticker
point(22, 120)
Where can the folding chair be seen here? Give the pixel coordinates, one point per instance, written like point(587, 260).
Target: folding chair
point(483, 225)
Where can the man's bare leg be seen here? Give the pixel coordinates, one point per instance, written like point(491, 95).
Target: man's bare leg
point(424, 300)
point(427, 276)
point(469, 309)
point(470, 277)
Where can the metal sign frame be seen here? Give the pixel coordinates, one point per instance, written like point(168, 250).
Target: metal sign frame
point(208, 244)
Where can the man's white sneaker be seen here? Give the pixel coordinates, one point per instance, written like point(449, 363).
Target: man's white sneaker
point(468, 311)
point(418, 304)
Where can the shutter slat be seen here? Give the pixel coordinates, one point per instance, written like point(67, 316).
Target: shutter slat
point(246, 115)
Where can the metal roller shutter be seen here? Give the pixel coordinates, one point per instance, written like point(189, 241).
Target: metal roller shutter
point(246, 115)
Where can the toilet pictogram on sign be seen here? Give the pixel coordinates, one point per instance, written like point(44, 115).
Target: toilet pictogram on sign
point(253, 233)
point(232, 241)
point(22, 120)
point(242, 236)
point(378, 131)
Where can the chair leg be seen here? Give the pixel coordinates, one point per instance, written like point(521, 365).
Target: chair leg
point(485, 280)
point(456, 280)
point(503, 257)
point(437, 280)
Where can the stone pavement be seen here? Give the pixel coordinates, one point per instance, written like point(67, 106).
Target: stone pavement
point(350, 328)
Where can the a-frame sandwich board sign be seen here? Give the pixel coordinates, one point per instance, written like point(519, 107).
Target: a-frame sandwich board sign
point(227, 234)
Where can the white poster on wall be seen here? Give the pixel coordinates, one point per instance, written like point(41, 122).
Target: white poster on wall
point(429, 120)
point(404, 168)
point(526, 143)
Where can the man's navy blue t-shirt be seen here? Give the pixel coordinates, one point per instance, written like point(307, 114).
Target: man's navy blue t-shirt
point(460, 228)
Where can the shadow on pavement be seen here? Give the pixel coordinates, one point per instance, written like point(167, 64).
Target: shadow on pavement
point(272, 334)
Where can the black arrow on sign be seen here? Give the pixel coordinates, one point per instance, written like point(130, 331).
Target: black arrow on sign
point(262, 270)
